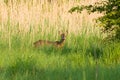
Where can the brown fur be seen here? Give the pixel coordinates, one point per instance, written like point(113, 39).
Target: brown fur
point(46, 42)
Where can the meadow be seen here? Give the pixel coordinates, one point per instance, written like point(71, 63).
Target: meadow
point(84, 56)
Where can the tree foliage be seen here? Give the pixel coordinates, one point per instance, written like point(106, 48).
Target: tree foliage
point(110, 21)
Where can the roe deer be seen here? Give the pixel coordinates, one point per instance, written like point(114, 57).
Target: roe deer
point(59, 43)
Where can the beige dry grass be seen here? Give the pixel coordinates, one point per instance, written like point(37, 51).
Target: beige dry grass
point(36, 12)
point(19, 17)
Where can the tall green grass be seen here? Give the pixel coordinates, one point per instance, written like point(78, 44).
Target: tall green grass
point(76, 60)
point(35, 64)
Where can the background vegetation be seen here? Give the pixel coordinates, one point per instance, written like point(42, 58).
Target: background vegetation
point(110, 21)
point(23, 22)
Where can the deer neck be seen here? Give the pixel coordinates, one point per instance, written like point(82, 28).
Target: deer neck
point(62, 41)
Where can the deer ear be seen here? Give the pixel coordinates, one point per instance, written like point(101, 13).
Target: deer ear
point(66, 31)
point(60, 32)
